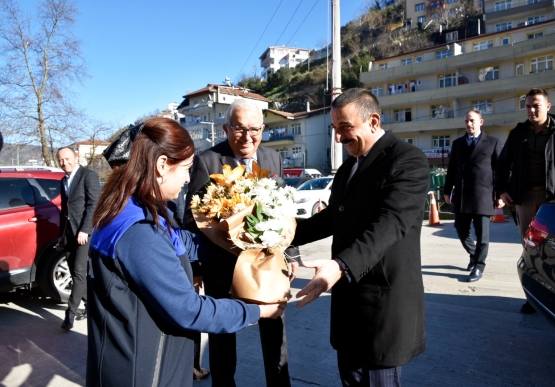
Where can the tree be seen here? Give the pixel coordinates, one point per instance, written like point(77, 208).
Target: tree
point(40, 60)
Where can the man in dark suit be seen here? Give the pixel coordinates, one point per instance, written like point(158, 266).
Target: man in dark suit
point(244, 133)
point(80, 191)
point(469, 187)
point(375, 216)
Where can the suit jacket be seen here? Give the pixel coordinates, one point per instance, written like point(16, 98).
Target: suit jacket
point(78, 208)
point(376, 222)
point(470, 173)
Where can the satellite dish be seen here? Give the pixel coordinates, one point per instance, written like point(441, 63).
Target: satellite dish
point(227, 81)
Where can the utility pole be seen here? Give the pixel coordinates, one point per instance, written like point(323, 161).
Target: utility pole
point(336, 148)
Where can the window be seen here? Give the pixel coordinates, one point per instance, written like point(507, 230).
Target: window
point(451, 36)
point(221, 114)
point(503, 26)
point(296, 129)
point(535, 35)
point(488, 73)
point(483, 45)
point(452, 1)
point(541, 64)
point(297, 152)
point(422, 19)
point(441, 111)
point(406, 61)
point(448, 80)
point(536, 19)
point(505, 41)
point(403, 115)
point(484, 106)
point(418, 59)
point(519, 69)
point(283, 153)
point(383, 66)
point(376, 90)
point(409, 140)
point(441, 141)
point(522, 102)
point(502, 5)
point(398, 88)
point(419, 7)
point(443, 54)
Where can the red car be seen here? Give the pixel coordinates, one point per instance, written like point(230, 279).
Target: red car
point(30, 204)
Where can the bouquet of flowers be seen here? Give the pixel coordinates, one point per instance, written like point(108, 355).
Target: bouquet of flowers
point(251, 216)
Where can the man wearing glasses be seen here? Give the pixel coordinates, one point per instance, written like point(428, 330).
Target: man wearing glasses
point(244, 126)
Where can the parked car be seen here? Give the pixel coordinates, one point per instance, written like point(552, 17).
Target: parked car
point(295, 181)
point(536, 267)
point(30, 205)
point(309, 193)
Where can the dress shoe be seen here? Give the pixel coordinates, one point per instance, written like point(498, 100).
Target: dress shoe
point(526, 308)
point(470, 266)
point(82, 316)
point(475, 275)
point(68, 321)
point(198, 375)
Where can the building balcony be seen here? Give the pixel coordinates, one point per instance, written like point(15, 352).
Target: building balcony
point(277, 141)
point(517, 7)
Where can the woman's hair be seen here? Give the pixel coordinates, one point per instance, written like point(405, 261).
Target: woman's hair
point(159, 136)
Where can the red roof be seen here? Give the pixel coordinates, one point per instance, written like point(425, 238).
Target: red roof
point(233, 90)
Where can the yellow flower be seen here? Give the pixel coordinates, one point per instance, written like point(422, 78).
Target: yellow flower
point(257, 172)
point(228, 177)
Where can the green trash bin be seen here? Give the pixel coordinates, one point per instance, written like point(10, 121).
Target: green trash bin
point(439, 180)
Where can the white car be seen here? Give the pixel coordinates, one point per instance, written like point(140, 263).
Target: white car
point(309, 193)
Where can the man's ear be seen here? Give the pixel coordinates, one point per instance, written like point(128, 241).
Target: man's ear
point(162, 165)
point(375, 121)
point(226, 130)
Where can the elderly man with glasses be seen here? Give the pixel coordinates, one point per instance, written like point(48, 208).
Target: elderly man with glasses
point(244, 126)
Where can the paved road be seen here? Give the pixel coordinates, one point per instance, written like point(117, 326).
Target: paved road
point(475, 333)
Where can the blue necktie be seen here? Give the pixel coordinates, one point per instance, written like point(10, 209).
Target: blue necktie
point(248, 163)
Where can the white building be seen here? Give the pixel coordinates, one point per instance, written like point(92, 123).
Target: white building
point(171, 112)
point(276, 57)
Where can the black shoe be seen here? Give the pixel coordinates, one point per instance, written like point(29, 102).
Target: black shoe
point(475, 275)
point(68, 321)
point(526, 308)
point(470, 266)
point(82, 316)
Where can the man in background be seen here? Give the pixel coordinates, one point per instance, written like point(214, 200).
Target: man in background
point(469, 188)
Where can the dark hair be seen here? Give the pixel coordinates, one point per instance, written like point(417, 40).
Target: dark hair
point(159, 136)
point(366, 102)
point(538, 91)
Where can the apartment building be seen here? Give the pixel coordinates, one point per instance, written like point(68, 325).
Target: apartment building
point(276, 57)
point(424, 11)
point(424, 95)
point(204, 112)
point(171, 112)
point(303, 138)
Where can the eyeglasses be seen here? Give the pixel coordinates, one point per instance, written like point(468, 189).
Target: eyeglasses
point(238, 131)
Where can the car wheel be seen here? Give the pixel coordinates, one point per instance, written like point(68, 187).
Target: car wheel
point(315, 208)
point(55, 278)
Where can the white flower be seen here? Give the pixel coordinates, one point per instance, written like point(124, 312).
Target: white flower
point(270, 238)
point(271, 224)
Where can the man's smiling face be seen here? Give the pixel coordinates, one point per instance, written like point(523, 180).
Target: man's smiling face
point(356, 134)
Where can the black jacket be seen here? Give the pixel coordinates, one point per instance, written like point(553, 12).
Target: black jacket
point(470, 174)
point(510, 175)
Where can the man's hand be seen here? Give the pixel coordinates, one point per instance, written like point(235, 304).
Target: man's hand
point(327, 273)
point(82, 238)
point(499, 203)
point(506, 198)
point(447, 199)
point(272, 310)
point(197, 283)
point(293, 268)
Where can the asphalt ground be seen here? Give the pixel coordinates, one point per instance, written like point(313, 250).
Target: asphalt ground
point(475, 333)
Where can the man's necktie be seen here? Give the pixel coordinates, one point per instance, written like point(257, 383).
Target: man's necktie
point(355, 168)
point(248, 163)
point(473, 141)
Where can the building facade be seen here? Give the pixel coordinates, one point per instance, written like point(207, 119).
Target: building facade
point(276, 57)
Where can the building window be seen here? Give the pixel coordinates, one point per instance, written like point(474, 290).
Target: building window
point(283, 153)
point(503, 26)
point(406, 61)
point(541, 64)
point(447, 80)
point(418, 59)
point(398, 88)
point(383, 66)
point(443, 54)
point(484, 106)
point(376, 90)
point(452, 36)
point(535, 35)
point(519, 69)
point(419, 7)
point(296, 129)
point(452, 1)
point(505, 41)
point(502, 5)
point(297, 151)
point(441, 141)
point(488, 73)
point(403, 115)
point(483, 45)
point(421, 19)
point(441, 111)
point(522, 102)
point(535, 19)
point(409, 140)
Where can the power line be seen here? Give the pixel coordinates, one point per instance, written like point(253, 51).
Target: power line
point(287, 25)
point(267, 25)
point(292, 36)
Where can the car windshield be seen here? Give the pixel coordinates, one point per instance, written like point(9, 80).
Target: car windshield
point(315, 184)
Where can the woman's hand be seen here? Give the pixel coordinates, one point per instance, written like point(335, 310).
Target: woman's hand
point(272, 310)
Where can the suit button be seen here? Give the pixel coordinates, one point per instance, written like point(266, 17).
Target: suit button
point(340, 208)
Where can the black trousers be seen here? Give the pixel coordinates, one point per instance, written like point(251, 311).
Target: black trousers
point(217, 275)
point(478, 250)
point(354, 373)
point(77, 256)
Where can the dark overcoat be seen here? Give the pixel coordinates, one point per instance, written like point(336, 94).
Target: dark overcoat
point(470, 175)
point(376, 222)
